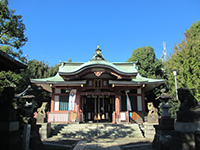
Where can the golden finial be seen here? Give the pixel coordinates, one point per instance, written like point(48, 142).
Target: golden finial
point(98, 46)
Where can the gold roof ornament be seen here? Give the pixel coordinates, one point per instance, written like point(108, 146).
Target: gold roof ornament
point(98, 55)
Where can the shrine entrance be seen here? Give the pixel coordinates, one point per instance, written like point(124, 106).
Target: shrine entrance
point(98, 108)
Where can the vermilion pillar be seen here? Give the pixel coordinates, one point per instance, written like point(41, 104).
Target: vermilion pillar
point(117, 109)
point(78, 103)
point(52, 100)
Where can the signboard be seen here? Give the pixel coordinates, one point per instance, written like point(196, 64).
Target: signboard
point(72, 98)
point(123, 116)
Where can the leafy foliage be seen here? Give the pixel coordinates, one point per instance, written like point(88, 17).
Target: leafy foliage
point(12, 36)
point(9, 79)
point(150, 67)
point(186, 60)
point(12, 39)
point(35, 69)
point(38, 69)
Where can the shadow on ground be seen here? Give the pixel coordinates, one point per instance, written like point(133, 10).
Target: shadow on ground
point(140, 145)
point(101, 136)
point(105, 130)
point(61, 144)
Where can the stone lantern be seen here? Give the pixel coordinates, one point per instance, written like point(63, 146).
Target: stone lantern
point(165, 106)
point(166, 124)
point(29, 106)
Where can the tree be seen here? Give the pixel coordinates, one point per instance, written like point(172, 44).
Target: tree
point(186, 60)
point(12, 36)
point(148, 65)
point(37, 69)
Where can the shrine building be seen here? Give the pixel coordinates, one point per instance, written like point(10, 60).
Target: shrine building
point(97, 90)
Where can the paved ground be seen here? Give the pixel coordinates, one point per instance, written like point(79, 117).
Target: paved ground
point(63, 142)
point(97, 144)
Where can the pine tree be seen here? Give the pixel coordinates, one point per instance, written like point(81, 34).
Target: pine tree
point(12, 36)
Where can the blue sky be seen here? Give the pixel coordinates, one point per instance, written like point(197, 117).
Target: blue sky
point(72, 29)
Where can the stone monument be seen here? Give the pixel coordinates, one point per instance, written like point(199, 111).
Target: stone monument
point(45, 129)
point(10, 135)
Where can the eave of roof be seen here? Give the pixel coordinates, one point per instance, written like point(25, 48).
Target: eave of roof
point(139, 80)
point(56, 78)
point(45, 83)
point(9, 63)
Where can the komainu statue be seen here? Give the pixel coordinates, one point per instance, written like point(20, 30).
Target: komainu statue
point(189, 110)
point(188, 102)
point(152, 116)
point(152, 109)
point(42, 109)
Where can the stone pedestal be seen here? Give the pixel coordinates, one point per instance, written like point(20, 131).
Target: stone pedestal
point(189, 124)
point(186, 126)
point(41, 118)
point(45, 130)
point(188, 116)
point(149, 130)
point(173, 140)
point(44, 127)
point(163, 135)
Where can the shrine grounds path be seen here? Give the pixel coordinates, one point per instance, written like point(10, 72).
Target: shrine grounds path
point(107, 137)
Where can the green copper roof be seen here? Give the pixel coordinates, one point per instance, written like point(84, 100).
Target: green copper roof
point(139, 80)
point(123, 68)
point(98, 61)
point(56, 78)
point(143, 79)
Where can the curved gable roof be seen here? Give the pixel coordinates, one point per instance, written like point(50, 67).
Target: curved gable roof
point(69, 68)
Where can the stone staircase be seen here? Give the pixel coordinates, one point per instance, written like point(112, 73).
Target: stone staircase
point(100, 130)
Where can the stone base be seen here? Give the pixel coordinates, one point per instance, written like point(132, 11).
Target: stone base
point(175, 140)
point(10, 140)
point(188, 116)
point(187, 126)
point(149, 130)
point(152, 118)
point(45, 130)
point(41, 118)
